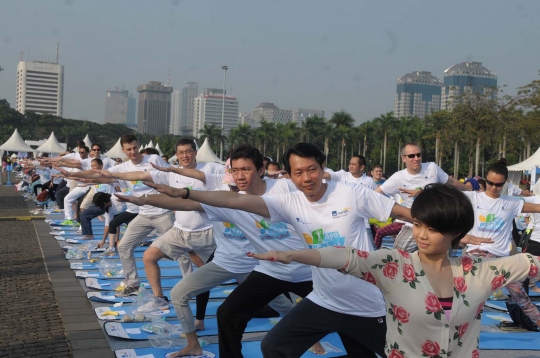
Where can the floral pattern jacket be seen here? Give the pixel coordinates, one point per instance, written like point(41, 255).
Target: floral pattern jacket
point(417, 325)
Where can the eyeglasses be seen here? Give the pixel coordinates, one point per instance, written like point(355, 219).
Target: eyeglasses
point(413, 155)
point(185, 152)
point(95, 150)
point(497, 185)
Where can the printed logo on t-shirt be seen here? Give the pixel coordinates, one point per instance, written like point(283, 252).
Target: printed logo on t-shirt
point(319, 239)
point(126, 191)
point(339, 214)
point(231, 232)
point(139, 186)
point(273, 231)
point(101, 188)
point(490, 223)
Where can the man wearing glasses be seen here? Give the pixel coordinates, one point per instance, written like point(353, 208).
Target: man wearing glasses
point(406, 184)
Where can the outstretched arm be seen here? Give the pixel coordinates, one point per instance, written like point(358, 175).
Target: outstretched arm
point(83, 174)
point(70, 163)
point(162, 201)
point(530, 208)
point(221, 199)
point(457, 184)
point(401, 213)
point(146, 176)
point(191, 173)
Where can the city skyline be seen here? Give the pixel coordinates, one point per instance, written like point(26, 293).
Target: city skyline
point(345, 56)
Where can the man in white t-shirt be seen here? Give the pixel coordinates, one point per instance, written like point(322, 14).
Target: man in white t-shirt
point(493, 218)
point(150, 218)
point(407, 183)
point(191, 232)
point(325, 214)
point(355, 175)
point(229, 262)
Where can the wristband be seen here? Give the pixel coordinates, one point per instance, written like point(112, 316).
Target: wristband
point(187, 194)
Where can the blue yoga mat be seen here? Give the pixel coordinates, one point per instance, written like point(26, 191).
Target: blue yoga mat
point(531, 293)
point(97, 255)
point(132, 331)
point(166, 272)
point(331, 343)
point(510, 340)
point(57, 226)
point(87, 265)
point(109, 297)
point(105, 285)
point(67, 247)
point(211, 310)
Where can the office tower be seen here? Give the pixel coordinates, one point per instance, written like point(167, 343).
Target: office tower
point(467, 77)
point(176, 104)
point(116, 106)
point(40, 87)
point(207, 110)
point(187, 108)
point(418, 94)
point(132, 108)
point(300, 114)
point(154, 110)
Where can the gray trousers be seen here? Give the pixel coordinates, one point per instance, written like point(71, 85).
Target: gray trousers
point(136, 232)
point(203, 279)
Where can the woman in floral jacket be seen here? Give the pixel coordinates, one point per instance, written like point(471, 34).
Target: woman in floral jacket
point(434, 303)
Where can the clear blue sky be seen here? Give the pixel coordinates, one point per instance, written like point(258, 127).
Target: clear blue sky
point(324, 54)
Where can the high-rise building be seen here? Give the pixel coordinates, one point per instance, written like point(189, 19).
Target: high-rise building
point(208, 108)
point(187, 108)
point(40, 87)
point(418, 94)
point(176, 103)
point(300, 114)
point(264, 111)
point(132, 109)
point(116, 106)
point(154, 112)
point(467, 77)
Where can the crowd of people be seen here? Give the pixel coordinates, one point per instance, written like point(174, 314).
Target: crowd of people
point(304, 230)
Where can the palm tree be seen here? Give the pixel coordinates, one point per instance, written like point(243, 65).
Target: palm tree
point(402, 133)
point(342, 122)
point(240, 135)
point(385, 124)
point(213, 133)
point(267, 132)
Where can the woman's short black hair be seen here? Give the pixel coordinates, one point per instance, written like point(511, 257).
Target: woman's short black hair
point(498, 168)
point(100, 199)
point(303, 150)
point(445, 209)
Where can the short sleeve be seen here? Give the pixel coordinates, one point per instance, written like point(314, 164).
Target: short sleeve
point(157, 160)
point(371, 183)
point(118, 168)
point(372, 204)
point(159, 177)
point(391, 186)
point(442, 177)
point(219, 214)
point(336, 176)
point(214, 181)
point(277, 207)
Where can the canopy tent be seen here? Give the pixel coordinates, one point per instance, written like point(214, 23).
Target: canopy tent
point(15, 144)
point(116, 151)
point(87, 141)
point(205, 154)
point(150, 145)
point(528, 164)
point(51, 146)
point(159, 149)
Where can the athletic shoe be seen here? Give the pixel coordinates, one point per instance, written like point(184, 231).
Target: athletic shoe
point(68, 223)
point(111, 251)
point(128, 291)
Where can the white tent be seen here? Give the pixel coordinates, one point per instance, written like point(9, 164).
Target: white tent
point(530, 163)
point(51, 146)
point(159, 149)
point(15, 144)
point(150, 145)
point(116, 151)
point(87, 141)
point(206, 154)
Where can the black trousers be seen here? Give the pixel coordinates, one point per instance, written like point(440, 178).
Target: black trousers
point(60, 194)
point(122, 218)
point(308, 323)
point(245, 302)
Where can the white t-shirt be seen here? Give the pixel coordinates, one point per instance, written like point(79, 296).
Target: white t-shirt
point(347, 177)
point(534, 219)
point(266, 237)
point(430, 173)
point(211, 168)
point(136, 187)
point(493, 220)
point(56, 180)
point(185, 220)
point(510, 189)
point(231, 243)
point(107, 163)
point(76, 155)
point(336, 220)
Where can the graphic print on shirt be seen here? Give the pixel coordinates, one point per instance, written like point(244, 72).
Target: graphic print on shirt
point(273, 231)
point(490, 223)
point(139, 186)
point(231, 232)
point(341, 213)
point(102, 188)
point(319, 239)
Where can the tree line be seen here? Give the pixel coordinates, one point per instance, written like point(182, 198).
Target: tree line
point(463, 141)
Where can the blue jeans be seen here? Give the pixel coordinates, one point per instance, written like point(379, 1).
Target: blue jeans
point(86, 217)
